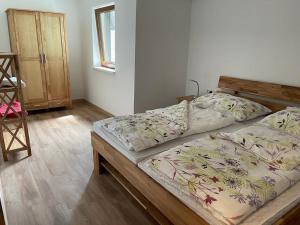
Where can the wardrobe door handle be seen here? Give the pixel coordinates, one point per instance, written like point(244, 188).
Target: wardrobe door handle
point(41, 58)
point(44, 58)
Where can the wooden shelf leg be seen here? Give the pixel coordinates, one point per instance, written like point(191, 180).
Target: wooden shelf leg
point(5, 156)
point(2, 144)
point(25, 127)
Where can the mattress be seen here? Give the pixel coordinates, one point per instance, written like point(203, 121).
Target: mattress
point(137, 157)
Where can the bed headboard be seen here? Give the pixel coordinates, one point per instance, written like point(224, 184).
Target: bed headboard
point(274, 96)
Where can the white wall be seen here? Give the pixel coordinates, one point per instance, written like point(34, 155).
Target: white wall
point(161, 52)
point(112, 92)
point(162, 35)
point(257, 39)
point(71, 9)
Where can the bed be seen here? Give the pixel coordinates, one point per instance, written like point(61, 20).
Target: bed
point(160, 203)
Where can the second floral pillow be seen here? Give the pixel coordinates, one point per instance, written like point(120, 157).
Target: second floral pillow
point(287, 121)
point(240, 108)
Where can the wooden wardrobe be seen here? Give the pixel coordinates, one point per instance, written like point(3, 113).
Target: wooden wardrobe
point(39, 39)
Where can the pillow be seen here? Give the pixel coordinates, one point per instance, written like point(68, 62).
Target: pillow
point(279, 149)
point(177, 113)
point(241, 109)
point(203, 120)
point(287, 120)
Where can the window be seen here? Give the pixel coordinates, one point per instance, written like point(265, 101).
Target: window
point(105, 23)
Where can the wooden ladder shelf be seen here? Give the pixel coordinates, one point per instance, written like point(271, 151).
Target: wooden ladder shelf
point(14, 135)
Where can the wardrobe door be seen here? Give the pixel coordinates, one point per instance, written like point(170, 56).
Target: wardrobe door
point(26, 42)
point(56, 65)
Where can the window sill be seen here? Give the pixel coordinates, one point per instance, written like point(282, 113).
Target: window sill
point(104, 69)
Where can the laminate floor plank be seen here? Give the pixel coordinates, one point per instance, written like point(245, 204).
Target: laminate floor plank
point(56, 185)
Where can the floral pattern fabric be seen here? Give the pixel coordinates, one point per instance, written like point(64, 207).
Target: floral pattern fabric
point(176, 113)
point(278, 148)
point(242, 109)
point(220, 176)
point(287, 120)
point(141, 131)
point(203, 120)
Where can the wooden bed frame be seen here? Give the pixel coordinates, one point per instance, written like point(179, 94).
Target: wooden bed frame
point(161, 204)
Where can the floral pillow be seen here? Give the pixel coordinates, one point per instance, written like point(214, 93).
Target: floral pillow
point(287, 120)
point(279, 149)
point(241, 109)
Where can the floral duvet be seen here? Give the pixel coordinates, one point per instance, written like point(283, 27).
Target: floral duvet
point(144, 130)
point(221, 176)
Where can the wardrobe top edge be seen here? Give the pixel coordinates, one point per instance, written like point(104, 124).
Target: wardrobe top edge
point(29, 10)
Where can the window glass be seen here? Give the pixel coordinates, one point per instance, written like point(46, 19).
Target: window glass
point(105, 20)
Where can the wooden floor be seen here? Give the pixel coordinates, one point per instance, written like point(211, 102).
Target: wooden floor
point(56, 185)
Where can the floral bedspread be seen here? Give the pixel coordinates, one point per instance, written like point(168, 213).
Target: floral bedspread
point(278, 148)
point(141, 131)
point(220, 176)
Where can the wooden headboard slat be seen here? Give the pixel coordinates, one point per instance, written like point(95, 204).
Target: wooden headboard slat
point(262, 89)
point(266, 90)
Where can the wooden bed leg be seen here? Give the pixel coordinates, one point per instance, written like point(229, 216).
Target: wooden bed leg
point(98, 168)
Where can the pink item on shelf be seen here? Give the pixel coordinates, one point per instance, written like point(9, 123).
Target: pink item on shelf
point(16, 106)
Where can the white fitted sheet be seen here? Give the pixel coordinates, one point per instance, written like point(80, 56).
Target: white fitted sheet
point(137, 157)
